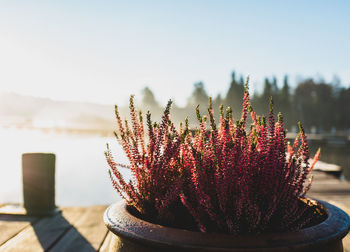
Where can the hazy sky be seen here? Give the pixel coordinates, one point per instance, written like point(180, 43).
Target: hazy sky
point(102, 51)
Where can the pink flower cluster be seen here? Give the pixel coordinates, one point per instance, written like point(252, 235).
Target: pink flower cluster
point(154, 164)
point(230, 178)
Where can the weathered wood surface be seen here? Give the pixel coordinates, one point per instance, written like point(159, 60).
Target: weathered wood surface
point(82, 228)
point(10, 227)
point(76, 229)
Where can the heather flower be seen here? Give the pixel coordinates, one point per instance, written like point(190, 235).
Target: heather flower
point(240, 180)
point(156, 182)
point(231, 177)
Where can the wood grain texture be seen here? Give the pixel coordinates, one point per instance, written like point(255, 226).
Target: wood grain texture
point(106, 243)
point(10, 226)
point(87, 234)
point(42, 235)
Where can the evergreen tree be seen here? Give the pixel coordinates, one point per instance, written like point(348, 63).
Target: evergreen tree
point(274, 88)
point(284, 102)
point(218, 101)
point(148, 98)
point(235, 94)
point(267, 92)
point(325, 103)
point(199, 96)
point(305, 104)
point(342, 110)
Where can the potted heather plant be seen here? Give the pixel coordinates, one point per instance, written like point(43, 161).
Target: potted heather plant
point(219, 187)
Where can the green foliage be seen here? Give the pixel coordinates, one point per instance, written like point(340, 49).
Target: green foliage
point(303, 103)
point(234, 95)
point(199, 95)
point(148, 98)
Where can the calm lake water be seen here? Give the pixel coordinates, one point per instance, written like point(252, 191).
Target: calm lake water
point(81, 168)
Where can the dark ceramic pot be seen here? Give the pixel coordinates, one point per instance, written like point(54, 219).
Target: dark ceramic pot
point(134, 234)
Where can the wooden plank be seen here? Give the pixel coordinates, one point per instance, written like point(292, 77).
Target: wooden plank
point(43, 234)
point(73, 241)
point(10, 226)
point(107, 242)
point(329, 185)
point(87, 234)
point(331, 190)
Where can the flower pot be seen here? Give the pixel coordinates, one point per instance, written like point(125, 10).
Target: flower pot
point(134, 234)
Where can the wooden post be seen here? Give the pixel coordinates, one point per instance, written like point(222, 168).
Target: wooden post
point(38, 171)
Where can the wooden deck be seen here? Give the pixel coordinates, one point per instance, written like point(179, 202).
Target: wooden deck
point(76, 229)
point(82, 228)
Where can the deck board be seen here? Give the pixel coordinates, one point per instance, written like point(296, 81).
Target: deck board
point(88, 232)
point(12, 225)
point(106, 243)
point(42, 235)
point(38, 237)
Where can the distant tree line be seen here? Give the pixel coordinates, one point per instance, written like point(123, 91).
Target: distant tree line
point(322, 107)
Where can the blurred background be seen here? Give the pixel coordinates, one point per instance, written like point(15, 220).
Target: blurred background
point(64, 64)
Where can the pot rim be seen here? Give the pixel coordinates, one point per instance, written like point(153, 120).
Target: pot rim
point(120, 222)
